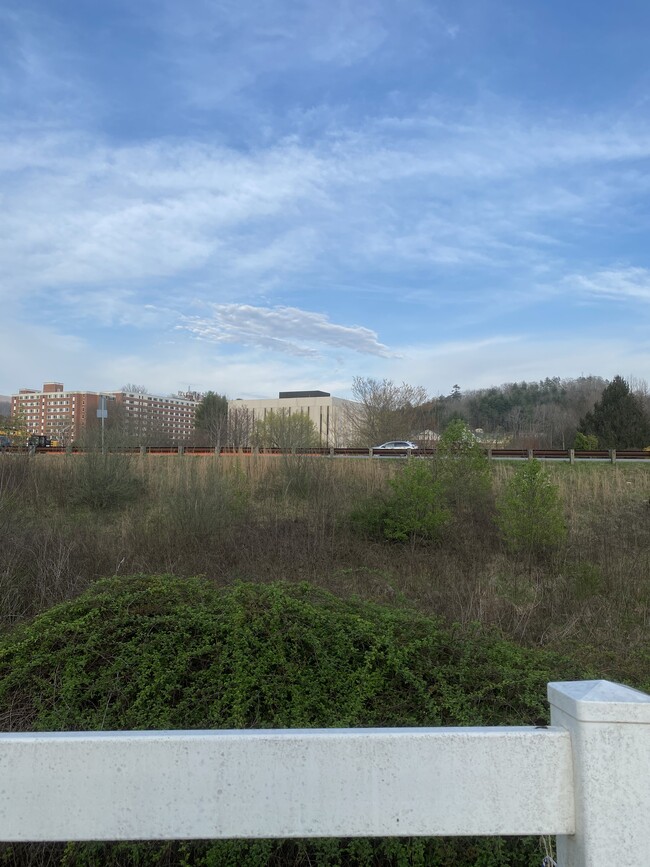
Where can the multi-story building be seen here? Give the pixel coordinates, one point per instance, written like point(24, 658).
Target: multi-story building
point(150, 416)
point(333, 417)
point(67, 415)
point(54, 412)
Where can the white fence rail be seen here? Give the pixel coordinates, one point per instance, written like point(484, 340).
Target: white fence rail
point(585, 779)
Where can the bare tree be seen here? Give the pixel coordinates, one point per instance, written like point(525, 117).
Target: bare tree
point(387, 411)
point(132, 388)
point(284, 430)
point(61, 430)
point(240, 426)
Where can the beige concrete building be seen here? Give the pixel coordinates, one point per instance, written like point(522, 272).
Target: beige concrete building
point(332, 416)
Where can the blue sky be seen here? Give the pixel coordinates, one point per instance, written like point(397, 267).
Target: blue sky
point(260, 195)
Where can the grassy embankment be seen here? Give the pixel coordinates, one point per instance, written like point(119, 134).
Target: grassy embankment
point(66, 521)
point(182, 652)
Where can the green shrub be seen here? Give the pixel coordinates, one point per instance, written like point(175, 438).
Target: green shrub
point(530, 513)
point(101, 481)
point(415, 509)
point(165, 653)
point(585, 442)
point(463, 470)
point(412, 511)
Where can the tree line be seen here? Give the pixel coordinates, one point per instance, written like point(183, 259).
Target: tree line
point(583, 413)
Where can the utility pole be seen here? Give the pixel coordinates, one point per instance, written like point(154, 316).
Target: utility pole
point(102, 412)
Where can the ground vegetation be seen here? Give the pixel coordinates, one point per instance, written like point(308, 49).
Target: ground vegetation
point(245, 521)
point(160, 652)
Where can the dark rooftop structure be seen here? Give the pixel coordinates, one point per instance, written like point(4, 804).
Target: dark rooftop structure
point(290, 394)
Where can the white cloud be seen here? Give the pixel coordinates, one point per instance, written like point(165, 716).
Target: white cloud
point(281, 329)
point(76, 211)
point(618, 284)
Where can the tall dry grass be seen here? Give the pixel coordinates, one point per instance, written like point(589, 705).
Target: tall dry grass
point(264, 518)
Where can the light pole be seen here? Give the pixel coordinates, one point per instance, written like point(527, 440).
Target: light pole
point(102, 412)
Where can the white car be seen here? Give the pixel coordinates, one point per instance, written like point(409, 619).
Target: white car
point(397, 444)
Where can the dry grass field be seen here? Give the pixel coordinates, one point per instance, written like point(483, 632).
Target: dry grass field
point(69, 520)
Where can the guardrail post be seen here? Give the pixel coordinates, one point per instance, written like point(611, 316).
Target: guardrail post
point(331, 451)
point(610, 738)
point(181, 450)
point(572, 456)
point(612, 455)
point(369, 453)
point(143, 450)
point(530, 454)
point(489, 454)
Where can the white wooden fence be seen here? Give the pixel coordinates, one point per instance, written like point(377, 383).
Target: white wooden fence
point(584, 779)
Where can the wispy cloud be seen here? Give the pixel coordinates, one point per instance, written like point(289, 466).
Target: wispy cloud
point(247, 163)
point(78, 211)
point(281, 329)
point(618, 284)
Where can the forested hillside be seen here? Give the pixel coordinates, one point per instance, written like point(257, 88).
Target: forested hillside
point(544, 414)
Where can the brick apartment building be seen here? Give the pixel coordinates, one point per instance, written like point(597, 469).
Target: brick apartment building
point(67, 415)
point(55, 412)
point(151, 415)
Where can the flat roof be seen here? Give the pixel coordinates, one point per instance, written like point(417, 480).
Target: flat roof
point(289, 394)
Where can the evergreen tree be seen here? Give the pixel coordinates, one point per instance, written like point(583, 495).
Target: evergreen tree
point(618, 418)
point(212, 417)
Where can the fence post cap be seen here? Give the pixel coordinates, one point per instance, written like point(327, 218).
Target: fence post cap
point(600, 701)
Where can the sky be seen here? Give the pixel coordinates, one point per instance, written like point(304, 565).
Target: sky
point(250, 196)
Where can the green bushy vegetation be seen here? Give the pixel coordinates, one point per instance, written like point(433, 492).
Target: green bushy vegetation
point(585, 442)
point(159, 652)
point(412, 509)
point(463, 470)
point(530, 513)
point(287, 517)
point(260, 519)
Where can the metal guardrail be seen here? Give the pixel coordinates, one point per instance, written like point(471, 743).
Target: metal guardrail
point(497, 454)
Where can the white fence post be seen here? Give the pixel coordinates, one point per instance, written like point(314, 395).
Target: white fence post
point(610, 737)
point(586, 780)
